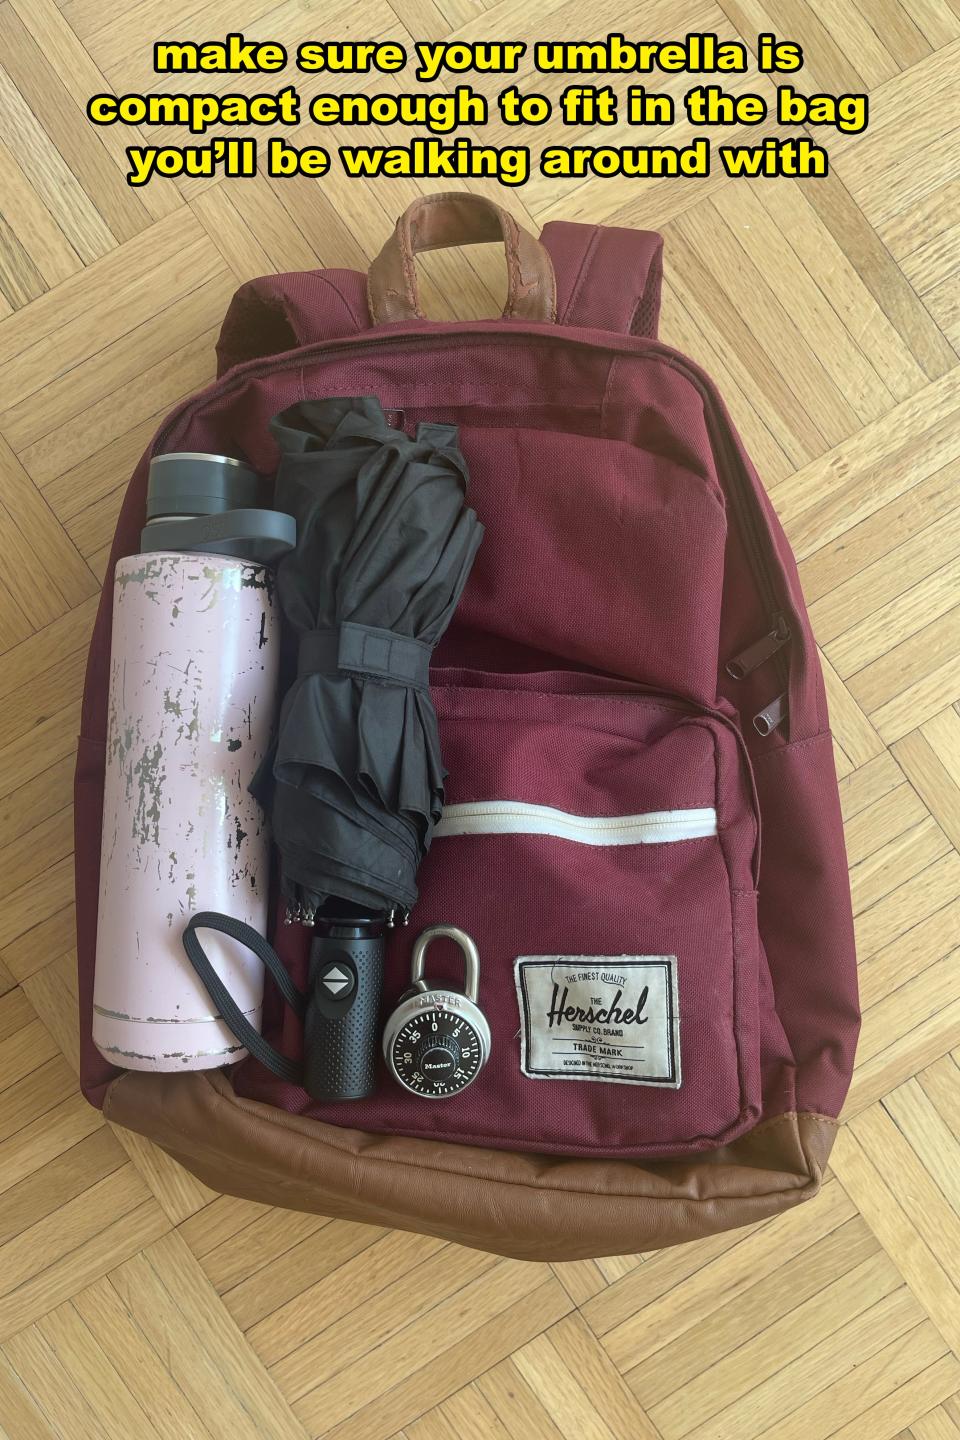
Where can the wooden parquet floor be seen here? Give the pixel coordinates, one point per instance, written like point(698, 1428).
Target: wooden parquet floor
point(134, 1302)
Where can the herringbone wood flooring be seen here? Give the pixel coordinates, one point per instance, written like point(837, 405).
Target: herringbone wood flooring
point(133, 1302)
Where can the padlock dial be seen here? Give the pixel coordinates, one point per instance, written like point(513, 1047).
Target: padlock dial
point(436, 1053)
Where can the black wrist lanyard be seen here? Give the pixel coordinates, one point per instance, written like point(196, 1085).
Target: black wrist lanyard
point(228, 1009)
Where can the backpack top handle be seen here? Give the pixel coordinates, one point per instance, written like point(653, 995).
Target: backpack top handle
point(434, 222)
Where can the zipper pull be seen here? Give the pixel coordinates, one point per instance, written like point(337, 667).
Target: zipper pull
point(774, 714)
point(761, 650)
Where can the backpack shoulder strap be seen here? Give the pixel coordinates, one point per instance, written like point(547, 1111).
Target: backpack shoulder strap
point(608, 277)
point(282, 312)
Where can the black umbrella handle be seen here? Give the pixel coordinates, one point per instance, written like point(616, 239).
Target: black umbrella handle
point(342, 1024)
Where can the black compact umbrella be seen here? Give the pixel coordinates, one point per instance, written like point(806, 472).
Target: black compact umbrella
point(385, 542)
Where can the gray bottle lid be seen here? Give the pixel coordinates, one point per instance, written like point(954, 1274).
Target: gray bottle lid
point(213, 504)
point(187, 482)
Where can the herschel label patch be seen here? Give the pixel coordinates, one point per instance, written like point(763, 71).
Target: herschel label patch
point(610, 1018)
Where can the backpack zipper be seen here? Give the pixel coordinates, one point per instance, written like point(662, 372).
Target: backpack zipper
point(759, 561)
point(517, 817)
point(683, 705)
point(761, 650)
point(771, 716)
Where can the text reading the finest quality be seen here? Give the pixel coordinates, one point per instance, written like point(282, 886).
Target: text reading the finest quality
point(451, 113)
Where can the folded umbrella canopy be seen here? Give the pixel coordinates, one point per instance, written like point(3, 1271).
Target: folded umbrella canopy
point(354, 783)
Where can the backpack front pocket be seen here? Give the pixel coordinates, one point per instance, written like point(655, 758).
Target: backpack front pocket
point(600, 847)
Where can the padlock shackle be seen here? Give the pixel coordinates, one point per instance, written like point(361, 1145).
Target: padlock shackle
point(467, 946)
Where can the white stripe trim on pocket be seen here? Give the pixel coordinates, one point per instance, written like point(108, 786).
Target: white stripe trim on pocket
point(516, 817)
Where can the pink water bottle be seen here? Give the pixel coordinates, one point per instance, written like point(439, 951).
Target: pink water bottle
point(193, 676)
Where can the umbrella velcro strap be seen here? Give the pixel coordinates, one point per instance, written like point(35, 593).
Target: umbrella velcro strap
point(227, 1008)
point(367, 652)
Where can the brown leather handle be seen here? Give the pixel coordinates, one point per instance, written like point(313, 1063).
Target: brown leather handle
point(435, 221)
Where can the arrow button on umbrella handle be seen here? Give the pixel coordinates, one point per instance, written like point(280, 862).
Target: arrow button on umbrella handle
point(335, 984)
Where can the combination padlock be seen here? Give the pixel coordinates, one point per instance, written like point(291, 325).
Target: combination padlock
point(437, 1040)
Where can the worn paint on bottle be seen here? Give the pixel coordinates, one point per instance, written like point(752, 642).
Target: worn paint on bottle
point(192, 685)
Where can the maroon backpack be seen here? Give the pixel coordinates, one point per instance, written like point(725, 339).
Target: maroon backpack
point(628, 696)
